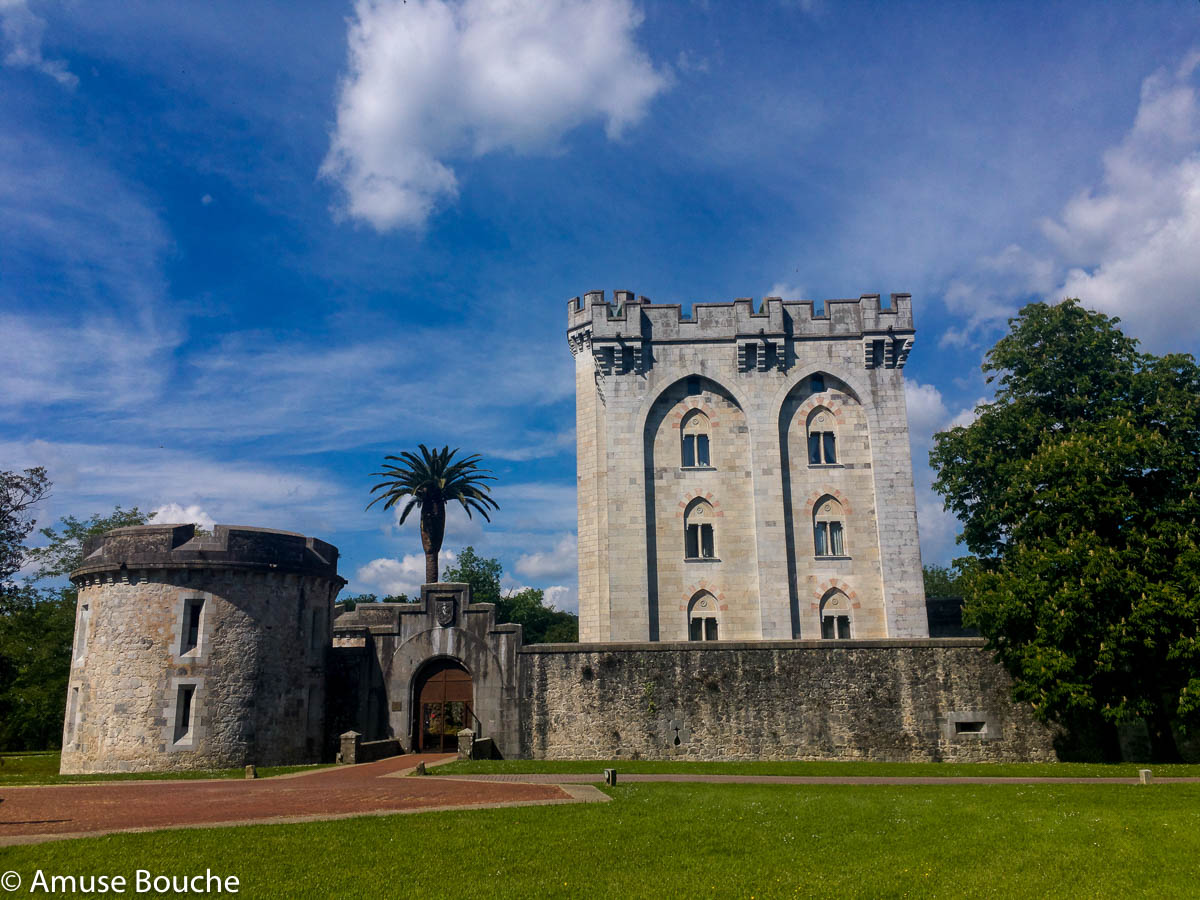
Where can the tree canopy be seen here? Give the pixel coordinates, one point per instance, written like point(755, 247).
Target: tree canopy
point(527, 607)
point(1078, 489)
point(19, 493)
point(37, 626)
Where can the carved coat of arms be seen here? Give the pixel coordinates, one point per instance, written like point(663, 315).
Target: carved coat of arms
point(443, 608)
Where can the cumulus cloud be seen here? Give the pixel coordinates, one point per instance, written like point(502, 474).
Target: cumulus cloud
point(563, 596)
point(90, 478)
point(928, 414)
point(1127, 245)
point(560, 562)
point(1134, 241)
point(398, 576)
point(23, 31)
point(174, 513)
point(433, 81)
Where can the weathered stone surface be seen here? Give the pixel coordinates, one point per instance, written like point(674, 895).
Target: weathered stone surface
point(880, 700)
point(380, 650)
point(761, 378)
point(256, 672)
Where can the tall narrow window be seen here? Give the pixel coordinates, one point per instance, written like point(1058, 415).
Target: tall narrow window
point(822, 438)
point(818, 383)
point(829, 528)
point(699, 539)
point(695, 430)
point(315, 628)
point(183, 711)
point(73, 716)
point(190, 639)
point(81, 630)
point(703, 613)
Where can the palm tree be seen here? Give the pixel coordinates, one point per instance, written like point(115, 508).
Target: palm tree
point(430, 481)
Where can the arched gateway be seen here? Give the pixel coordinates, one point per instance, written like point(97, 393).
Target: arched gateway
point(444, 705)
point(440, 665)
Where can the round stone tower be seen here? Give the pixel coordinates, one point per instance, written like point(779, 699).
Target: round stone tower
point(199, 651)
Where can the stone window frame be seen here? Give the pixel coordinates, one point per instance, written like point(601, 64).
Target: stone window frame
point(74, 715)
point(696, 424)
point(842, 609)
point(198, 725)
point(948, 726)
point(183, 601)
point(821, 517)
point(822, 423)
point(689, 514)
point(83, 627)
point(709, 607)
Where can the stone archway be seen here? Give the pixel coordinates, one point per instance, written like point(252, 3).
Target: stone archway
point(443, 705)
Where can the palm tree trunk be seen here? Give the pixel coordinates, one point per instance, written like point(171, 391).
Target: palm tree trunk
point(433, 529)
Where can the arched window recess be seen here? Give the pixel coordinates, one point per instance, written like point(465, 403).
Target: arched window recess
point(699, 539)
point(703, 618)
point(696, 437)
point(822, 438)
point(829, 529)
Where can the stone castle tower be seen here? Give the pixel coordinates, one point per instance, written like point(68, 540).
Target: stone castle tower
point(744, 474)
point(196, 652)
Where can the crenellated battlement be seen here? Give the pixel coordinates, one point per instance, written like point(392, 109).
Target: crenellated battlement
point(148, 547)
point(618, 332)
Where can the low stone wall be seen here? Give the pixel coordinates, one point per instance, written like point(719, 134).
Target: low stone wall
point(922, 699)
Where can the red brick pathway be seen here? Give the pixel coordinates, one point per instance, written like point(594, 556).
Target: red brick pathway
point(30, 814)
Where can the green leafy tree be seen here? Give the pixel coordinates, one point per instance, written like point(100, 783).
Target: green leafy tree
point(941, 581)
point(429, 482)
point(37, 627)
point(63, 551)
point(19, 493)
point(483, 575)
point(1079, 492)
point(527, 608)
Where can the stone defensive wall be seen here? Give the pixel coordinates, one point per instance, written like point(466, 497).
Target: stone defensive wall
point(895, 700)
point(199, 651)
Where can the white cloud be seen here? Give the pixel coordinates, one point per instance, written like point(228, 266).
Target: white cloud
point(433, 81)
point(1135, 240)
point(91, 478)
point(563, 596)
point(927, 415)
point(926, 409)
point(397, 576)
point(23, 32)
point(560, 562)
point(173, 513)
point(1127, 246)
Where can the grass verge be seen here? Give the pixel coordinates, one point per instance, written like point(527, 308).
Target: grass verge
point(679, 840)
point(816, 769)
point(42, 768)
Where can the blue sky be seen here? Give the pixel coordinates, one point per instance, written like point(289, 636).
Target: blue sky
point(248, 249)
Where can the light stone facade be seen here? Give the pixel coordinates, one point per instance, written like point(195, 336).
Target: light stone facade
point(758, 384)
point(199, 652)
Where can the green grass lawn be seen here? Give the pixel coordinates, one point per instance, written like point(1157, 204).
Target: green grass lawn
point(42, 768)
point(920, 769)
point(683, 840)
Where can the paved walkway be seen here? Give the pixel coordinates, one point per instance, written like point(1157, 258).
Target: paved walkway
point(50, 812)
point(33, 814)
point(804, 779)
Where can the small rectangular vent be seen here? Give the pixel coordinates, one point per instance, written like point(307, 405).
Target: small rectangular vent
point(970, 727)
